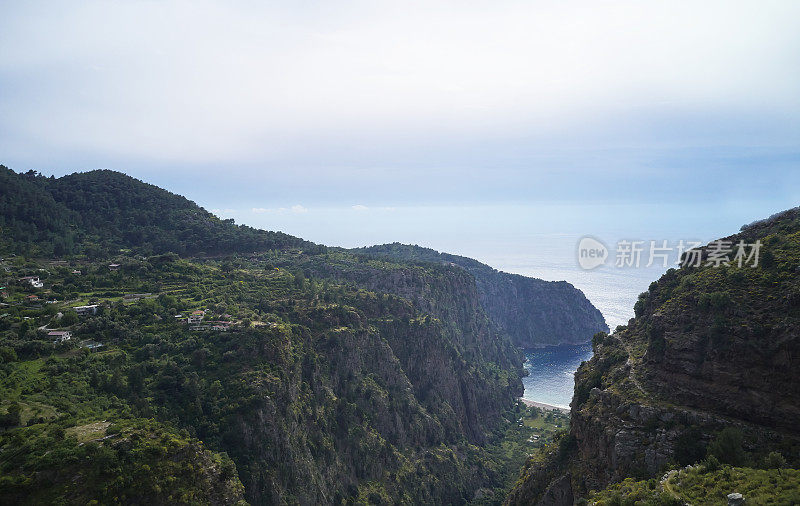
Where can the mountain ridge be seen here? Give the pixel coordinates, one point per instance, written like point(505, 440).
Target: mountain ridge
point(102, 211)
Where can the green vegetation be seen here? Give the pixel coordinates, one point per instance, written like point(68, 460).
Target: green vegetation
point(698, 485)
point(374, 392)
point(533, 430)
point(96, 213)
point(101, 463)
point(326, 376)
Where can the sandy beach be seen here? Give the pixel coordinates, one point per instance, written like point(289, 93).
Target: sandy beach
point(543, 405)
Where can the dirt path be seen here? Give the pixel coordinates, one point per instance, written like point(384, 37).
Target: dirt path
point(666, 485)
point(632, 369)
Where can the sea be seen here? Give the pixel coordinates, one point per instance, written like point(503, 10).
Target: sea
point(551, 371)
point(613, 290)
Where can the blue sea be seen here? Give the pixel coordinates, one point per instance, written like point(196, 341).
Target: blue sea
point(550, 373)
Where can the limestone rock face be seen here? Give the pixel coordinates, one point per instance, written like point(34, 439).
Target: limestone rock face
point(710, 347)
point(735, 499)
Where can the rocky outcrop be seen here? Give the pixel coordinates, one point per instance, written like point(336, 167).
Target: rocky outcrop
point(710, 348)
point(559, 492)
point(532, 311)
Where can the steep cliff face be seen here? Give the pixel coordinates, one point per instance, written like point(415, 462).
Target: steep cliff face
point(459, 350)
point(538, 313)
point(532, 311)
point(376, 387)
point(710, 348)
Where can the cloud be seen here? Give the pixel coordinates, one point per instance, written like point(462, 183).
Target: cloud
point(206, 83)
point(359, 207)
point(296, 209)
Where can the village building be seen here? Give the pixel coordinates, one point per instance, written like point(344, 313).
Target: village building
point(196, 316)
point(86, 310)
point(113, 267)
point(59, 336)
point(32, 280)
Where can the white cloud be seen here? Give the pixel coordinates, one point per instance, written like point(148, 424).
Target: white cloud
point(209, 82)
point(359, 207)
point(296, 209)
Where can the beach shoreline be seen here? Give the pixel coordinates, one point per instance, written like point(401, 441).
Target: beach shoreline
point(542, 405)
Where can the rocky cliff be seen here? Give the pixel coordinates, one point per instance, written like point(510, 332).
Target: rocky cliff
point(532, 311)
point(713, 350)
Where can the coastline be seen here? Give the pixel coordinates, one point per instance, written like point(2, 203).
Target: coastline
point(542, 405)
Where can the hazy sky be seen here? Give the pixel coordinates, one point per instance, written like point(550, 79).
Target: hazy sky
point(431, 122)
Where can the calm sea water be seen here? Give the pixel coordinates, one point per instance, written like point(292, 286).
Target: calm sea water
point(550, 373)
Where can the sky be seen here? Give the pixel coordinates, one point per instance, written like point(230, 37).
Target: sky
point(476, 127)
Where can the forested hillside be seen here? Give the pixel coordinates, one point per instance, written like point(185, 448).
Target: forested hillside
point(102, 211)
point(532, 311)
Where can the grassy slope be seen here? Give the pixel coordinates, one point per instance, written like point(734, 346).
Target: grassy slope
point(696, 485)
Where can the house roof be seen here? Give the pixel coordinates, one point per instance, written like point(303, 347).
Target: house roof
point(58, 332)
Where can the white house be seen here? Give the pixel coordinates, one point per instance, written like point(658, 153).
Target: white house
point(33, 280)
point(85, 310)
point(59, 336)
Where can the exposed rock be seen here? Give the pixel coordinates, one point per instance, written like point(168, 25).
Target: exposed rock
point(559, 493)
point(735, 499)
point(709, 348)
